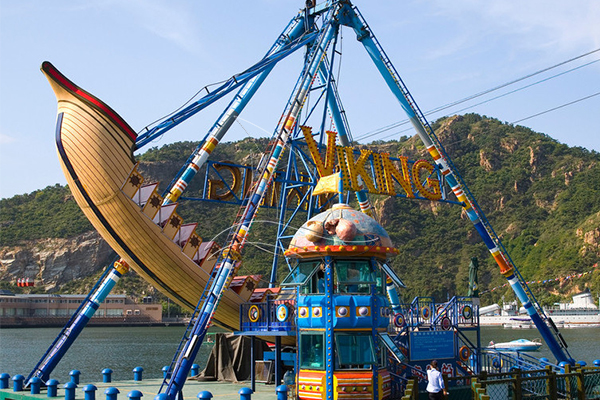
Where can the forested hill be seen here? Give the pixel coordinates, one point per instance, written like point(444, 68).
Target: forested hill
point(542, 198)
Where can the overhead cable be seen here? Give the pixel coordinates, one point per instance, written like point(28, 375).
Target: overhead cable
point(448, 105)
point(556, 108)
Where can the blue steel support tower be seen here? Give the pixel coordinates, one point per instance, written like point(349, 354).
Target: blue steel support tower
point(338, 13)
point(341, 304)
point(304, 31)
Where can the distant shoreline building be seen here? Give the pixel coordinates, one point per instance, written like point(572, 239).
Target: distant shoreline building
point(582, 312)
point(46, 310)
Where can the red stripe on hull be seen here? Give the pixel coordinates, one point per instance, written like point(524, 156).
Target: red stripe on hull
point(64, 81)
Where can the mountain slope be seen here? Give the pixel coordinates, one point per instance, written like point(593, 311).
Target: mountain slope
point(541, 197)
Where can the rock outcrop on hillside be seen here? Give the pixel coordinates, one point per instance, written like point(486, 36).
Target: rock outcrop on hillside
point(54, 262)
point(539, 195)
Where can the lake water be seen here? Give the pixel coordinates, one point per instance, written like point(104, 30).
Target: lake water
point(124, 348)
point(118, 348)
point(583, 343)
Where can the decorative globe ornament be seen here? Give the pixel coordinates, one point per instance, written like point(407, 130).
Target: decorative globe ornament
point(314, 231)
point(345, 230)
point(341, 231)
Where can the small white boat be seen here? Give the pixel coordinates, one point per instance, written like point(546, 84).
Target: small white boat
point(517, 345)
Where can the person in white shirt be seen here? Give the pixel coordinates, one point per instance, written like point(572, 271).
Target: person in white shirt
point(435, 386)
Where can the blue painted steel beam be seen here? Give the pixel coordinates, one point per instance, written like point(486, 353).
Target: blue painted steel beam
point(335, 107)
point(282, 211)
point(231, 84)
point(292, 32)
point(425, 133)
point(84, 313)
point(229, 259)
point(329, 313)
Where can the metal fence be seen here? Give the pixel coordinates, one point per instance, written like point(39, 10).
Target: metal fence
point(581, 384)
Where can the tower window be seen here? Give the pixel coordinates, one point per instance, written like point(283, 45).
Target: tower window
point(312, 351)
point(354, 351)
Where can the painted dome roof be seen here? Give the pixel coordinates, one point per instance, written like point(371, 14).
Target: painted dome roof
point(341, 231)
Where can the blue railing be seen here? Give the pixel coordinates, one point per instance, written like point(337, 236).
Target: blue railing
point(269, 316)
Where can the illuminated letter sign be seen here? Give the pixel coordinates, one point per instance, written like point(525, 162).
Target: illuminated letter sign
point(374, 172)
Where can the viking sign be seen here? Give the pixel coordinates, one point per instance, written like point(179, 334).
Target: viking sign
point(374, 172)
point(359, 170)
point(227, 182)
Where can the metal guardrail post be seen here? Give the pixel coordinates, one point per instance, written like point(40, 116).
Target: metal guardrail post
point(18, 383)
point(111, 393)
point(204, 395)
point(517, 385)
point(135, 395)
point(75, 374)
point(580, 384)
point(551, 388)
point(137, 373)
point(245, 393)
point(70, 390)
point(52, 385)
point(4, 377)
point(35, 385)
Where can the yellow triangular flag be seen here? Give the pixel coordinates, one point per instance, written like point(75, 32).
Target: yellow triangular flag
point(328, 184)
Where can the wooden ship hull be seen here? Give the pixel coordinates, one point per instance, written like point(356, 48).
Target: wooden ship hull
point(95, 148)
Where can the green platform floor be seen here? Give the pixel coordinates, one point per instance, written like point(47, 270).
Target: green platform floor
point(149, 388)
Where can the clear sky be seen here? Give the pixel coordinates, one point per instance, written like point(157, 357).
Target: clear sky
point(146, 58)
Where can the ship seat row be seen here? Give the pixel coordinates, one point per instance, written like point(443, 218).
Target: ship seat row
point(204, 254)
point(245, 286)
point(146, 196)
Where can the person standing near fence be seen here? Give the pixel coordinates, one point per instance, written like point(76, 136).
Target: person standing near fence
point(435, 386)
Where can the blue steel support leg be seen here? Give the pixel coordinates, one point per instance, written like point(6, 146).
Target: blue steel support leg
point(230, 257)
point(384, 66)
point(228, 117)
point(85, 312)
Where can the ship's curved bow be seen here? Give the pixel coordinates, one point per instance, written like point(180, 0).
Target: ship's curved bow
point(95, 148)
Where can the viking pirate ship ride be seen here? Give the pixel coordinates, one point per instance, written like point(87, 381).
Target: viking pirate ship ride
point(95, 147)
